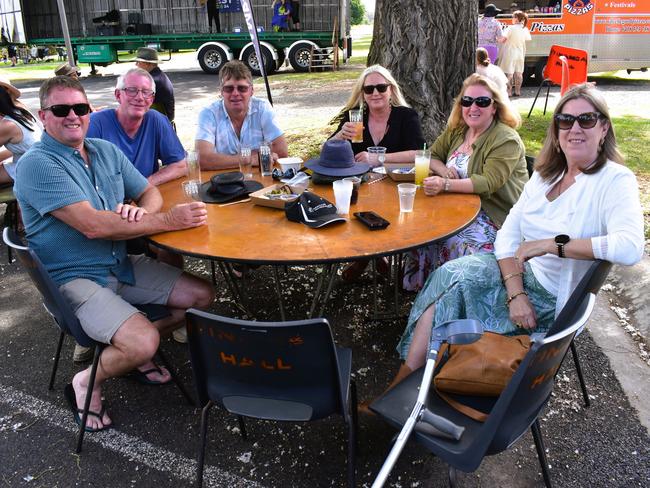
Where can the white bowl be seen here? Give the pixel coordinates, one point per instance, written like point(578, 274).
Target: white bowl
point(291, 162)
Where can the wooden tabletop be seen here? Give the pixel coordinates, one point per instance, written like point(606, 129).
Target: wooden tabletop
point(254, 234)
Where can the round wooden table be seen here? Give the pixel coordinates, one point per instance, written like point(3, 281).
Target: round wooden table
point(254, 234)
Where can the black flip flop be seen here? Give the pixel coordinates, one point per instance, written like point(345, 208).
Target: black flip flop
point(77, 413)
point(141, 376)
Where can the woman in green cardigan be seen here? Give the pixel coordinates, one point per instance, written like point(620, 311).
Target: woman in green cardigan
point(479, 152)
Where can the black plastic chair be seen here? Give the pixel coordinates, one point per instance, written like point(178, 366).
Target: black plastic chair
point(283, 371)
point(517, 409)
point(59, 308)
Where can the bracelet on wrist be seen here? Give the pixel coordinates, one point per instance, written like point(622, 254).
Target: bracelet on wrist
point(511, 275)
point(447, 184)
point(515, 295)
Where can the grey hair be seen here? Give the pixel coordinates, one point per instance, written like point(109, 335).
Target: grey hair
point(134, 71)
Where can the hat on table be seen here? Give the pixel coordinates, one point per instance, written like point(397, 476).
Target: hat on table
point(312, 210)
point(491, 11)
point(65, 70)
point(337, 159)
point(6, 84)
point(147, 55)
point(227, 186)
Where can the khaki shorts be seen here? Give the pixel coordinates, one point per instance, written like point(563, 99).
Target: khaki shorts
point(102, 310)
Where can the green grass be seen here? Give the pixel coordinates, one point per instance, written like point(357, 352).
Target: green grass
point(29, 71)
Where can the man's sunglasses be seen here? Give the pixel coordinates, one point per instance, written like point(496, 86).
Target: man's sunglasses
point(479, 101)
point(132, 92)
point(587, 120)
point(231, 88)
point(63, 110)
point(381, 88)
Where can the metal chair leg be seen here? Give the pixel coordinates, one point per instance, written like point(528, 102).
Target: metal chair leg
point(541, 452)
point(581, 378)
point(175, 378)
point(242, 427)
point(203, 432)
point(91, 384)
point(333, 272)
point(548, 90)
point(535, 101)
point(352, 436)
point(452, 476)
point(278, 292)
point(57, 355)
point(321, 281)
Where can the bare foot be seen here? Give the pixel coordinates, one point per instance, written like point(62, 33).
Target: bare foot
point(154, 373)
point(80, 386)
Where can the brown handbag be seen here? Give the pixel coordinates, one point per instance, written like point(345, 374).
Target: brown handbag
point(482, 368)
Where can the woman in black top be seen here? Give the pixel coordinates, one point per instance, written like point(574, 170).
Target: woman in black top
point(388, 121)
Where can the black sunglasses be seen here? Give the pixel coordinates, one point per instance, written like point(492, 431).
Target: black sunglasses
point(479, 101)
point(381, 88)
point(587, 120)
point(279, 175)
point(231, 88)
point(63, 110)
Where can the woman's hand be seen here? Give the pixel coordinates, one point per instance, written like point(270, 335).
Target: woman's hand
point(433, 185)
point(522, 313)
point(531, 249)
point(348, 131)
point(452, 174)
point(362, 157)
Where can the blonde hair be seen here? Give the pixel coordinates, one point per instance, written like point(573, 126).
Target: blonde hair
point(356, 98)
point(551, 161)
point(504, 112)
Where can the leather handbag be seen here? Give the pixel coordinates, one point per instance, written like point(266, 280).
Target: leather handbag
point(482, 368)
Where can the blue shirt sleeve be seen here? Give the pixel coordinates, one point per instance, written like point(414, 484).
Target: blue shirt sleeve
point(207, 127)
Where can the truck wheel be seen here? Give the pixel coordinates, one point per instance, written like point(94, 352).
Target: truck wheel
point(212, 58)
point(299, 56)
point(249, 58)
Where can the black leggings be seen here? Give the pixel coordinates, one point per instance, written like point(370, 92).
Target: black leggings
point(213, 14)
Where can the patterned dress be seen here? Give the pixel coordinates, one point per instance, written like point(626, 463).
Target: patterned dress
point(478, 237)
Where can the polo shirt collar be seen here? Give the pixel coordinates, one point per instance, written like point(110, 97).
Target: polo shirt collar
point(62, 149)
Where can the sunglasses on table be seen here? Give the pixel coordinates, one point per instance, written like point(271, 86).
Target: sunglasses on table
point(232, 88)
point(479, 101)
point(381, 88)
point(587, 120)
point(132, 92)
point(63, 110)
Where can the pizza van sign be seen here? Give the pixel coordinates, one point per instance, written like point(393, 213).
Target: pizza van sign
point(579, 7)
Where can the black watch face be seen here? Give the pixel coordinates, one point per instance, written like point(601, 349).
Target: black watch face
point(562, 239)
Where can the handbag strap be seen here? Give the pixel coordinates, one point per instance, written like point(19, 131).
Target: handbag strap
point(462, 408)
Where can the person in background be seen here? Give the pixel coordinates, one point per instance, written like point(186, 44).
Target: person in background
point(19, 130)
point(295, 15)
point(479, 152)
point(513, 52)
point(581, 204)
point(11, 53)
point(66, 70)
point(484, 67)
point(489, 31)
point(213, 15)
point(163, 102)
point(281, 13)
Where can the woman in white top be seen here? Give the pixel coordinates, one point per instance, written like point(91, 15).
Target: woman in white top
point(485, 68)
point(580, 204)
point(513, 52)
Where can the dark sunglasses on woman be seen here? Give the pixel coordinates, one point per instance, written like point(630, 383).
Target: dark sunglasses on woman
point(479, 101)
point(63, 110)
point(587, 120)
point(381, 88)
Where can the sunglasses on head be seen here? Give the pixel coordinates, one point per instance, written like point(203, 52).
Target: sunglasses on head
point(479, 101)
point(587, 120)
point(63, 110)
point(232, 88)
point(381, 88)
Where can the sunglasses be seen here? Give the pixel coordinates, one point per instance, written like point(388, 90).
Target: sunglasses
point(132, 92)
point(63, 110)
point(231, 88)
point(279, 175)
point(381, 88)
point(587, 120)
point(479, 101)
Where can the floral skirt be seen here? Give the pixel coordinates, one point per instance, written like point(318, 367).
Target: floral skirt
point(477, 293)
point(478, 237)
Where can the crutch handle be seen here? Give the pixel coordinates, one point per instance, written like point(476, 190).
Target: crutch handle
point(433, 424)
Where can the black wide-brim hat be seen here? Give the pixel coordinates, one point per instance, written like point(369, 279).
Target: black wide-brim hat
point(227, 186)
point(337, 159)
point(491, 11)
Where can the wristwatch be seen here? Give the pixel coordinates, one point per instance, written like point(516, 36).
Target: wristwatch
point(561, 240)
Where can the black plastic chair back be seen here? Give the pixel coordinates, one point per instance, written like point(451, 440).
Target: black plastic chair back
point(269, 370)
point(53, 300)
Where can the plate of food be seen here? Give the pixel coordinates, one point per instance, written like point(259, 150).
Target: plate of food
point(403, 173)
point(275, 196)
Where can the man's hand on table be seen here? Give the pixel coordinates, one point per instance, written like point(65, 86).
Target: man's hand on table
point(187, 215)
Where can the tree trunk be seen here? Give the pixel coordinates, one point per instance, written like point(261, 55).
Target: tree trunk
point(429, 46)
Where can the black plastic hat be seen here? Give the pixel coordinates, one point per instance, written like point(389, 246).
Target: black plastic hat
point(312, 210)
point(227, 186)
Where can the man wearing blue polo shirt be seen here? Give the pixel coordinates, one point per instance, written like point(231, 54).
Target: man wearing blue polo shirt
point(71, 191)
point(238, 119)
point(144, 135)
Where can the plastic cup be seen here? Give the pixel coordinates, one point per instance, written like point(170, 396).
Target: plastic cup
point(193, 166)
point(406, 196)
point(376, 156)
point(422, 160)
point(245, 162)
point(356, 184)
point(356, 117)
point(191, 190)
point(342, 196)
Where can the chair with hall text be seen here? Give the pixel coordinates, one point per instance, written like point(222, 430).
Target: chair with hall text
point(59, 308)
point(282, 371)
point(517, 409)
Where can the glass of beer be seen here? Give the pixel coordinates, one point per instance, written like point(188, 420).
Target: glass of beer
point(356, 117)
point(422, 159)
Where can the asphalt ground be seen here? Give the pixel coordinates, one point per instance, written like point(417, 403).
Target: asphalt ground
point(156, 436)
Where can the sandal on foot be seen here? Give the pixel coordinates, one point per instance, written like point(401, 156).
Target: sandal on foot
point(141, 376)
point(77, 412)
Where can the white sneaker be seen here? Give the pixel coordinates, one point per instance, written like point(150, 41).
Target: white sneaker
point(82, 354)
point(180, 335)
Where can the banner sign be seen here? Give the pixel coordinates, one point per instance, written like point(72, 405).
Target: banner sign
point(252, 29)
point(230, 6)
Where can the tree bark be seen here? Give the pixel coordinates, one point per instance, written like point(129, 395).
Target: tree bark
point(429, 46)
